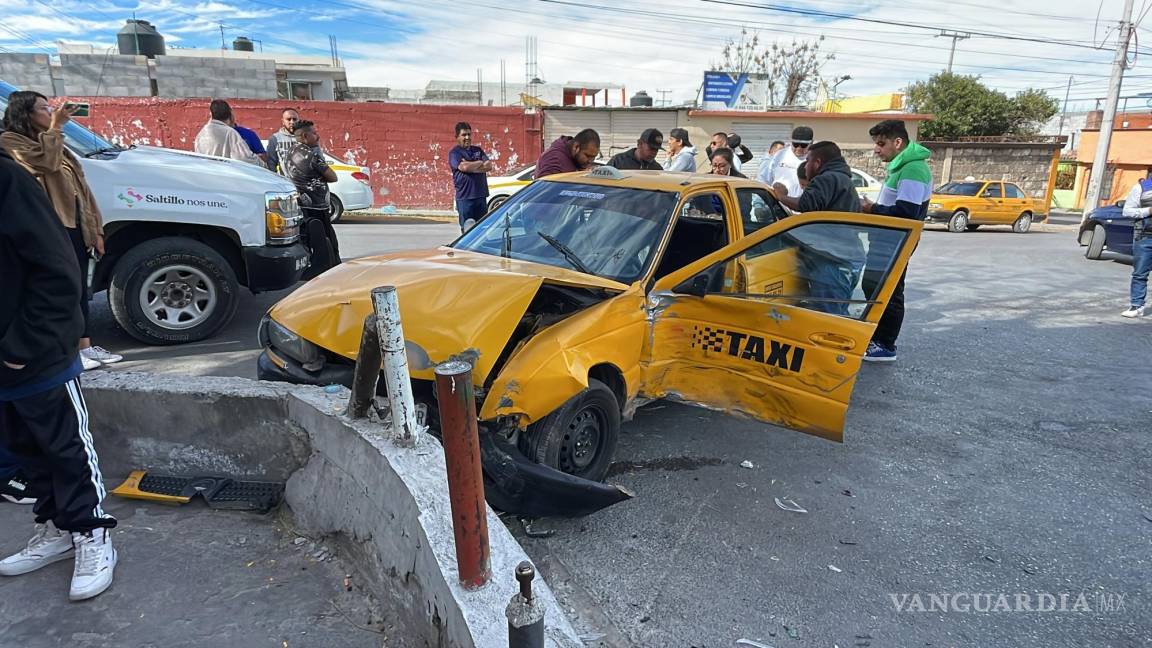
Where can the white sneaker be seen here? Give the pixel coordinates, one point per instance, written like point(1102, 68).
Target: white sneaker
point(101, 355)
point(1135, 311)
point(48, 545)
point(95, 562)
point(88, 363)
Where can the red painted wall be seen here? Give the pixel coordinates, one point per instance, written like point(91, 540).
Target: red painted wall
point(404, 145)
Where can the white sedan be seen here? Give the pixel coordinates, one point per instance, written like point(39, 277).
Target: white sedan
point(501, 188)
point(352, 189)
point(867, 186)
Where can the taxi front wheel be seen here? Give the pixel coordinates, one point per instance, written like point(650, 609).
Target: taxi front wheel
point(580, 437)
point(958, 222)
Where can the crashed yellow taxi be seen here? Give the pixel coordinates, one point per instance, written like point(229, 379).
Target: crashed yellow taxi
point(588, 294)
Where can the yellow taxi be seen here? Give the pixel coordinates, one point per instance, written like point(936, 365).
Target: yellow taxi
point(965, 206)
point(588, 294)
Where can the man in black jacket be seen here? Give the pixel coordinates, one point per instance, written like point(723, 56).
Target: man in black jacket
point(43, 419)
point(832, 255)
point(643, 156)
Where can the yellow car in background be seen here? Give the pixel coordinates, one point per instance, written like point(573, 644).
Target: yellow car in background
point(965, 206)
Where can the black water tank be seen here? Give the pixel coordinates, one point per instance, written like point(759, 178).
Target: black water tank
point(140, 37)
point(242, 44)
point(640, 100)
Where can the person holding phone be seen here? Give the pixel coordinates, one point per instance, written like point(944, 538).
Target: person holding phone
point(33, 135)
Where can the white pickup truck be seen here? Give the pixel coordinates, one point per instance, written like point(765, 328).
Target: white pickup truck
point(183, 232)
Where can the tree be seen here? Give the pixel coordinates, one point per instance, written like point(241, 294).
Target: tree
point(792, 71)
point(964, 107)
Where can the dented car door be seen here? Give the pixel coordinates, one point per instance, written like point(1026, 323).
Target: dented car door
point(785, 344)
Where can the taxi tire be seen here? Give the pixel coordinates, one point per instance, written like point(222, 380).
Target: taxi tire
point(1022, 224)
point(959, 221)
point(335, 208)
point(546, 440)
point(496, 202)
point(1096, 243)
point(144, 259)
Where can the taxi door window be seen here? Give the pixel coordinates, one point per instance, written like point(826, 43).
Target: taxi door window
point(835, 268)
point(1014, 191)
point(992, 191)
point(701, 229)
point(757, 209)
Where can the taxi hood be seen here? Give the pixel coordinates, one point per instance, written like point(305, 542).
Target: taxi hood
point(454, 304)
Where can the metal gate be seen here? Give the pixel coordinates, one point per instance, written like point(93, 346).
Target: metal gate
point(758, 137)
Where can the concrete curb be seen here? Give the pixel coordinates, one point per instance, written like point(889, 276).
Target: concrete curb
point(344, 477)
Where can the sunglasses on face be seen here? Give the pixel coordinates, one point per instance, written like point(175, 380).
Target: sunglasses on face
point(799, 145)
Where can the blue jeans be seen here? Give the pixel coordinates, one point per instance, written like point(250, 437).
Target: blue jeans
point(830, 279)
point(473, 208)
point(1141, 264)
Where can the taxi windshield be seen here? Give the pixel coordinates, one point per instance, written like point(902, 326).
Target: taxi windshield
point(610, 232)
point(959, 188)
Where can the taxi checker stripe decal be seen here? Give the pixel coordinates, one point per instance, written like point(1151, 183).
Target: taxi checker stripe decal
point(746, 346)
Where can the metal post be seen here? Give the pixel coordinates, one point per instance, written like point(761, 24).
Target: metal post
point(1100, 160)
point(525, 618)
point(461, 441)
point(367, 372)
point(405, 429)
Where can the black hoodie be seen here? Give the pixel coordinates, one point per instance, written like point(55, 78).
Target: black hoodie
point(40, 320)
point(831, 189)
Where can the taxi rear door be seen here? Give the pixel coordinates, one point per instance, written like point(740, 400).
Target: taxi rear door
point(786, 351)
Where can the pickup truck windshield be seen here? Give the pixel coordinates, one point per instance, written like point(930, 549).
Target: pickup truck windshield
point(611, 232)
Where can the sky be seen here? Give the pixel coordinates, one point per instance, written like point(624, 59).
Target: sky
point(651, 45)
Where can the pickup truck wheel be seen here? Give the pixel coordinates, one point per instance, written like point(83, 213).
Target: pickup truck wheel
point(336, 209)
point(580, 437)
point(959, 221)
point(1096, 243)
point(172, 290)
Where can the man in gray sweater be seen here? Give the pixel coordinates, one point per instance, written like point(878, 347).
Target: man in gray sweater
point(282, 141)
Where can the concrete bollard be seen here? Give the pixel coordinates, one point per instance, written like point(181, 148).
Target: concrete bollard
point(367, 373)
point(461, 441)
point(405, 429)
point(525, 618)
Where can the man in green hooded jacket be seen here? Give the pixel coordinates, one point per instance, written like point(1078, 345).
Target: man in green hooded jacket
point(906, 194)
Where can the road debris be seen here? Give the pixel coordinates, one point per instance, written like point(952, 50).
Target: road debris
point(835, 568)
point(299, 541)
point(793, 633)
point(848, 492)
point(847, 542)
point(533, 532)
point(788, 505)
point(747, 464)
point(348, 582)
point(754, 644)
point(332, 389)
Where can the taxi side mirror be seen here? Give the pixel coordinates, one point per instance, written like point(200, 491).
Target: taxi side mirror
point(696, 286)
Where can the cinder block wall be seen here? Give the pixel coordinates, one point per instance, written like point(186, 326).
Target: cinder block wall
point(110, 74)
point(178, 76)
point(27, 72)
point(405, 146)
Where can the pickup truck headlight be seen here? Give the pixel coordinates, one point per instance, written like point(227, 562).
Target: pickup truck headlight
point(282, 217)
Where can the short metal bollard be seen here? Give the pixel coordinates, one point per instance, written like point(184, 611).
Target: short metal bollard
point(367, 372)
point(525, 618)
point(405, 428)
point(465, 477)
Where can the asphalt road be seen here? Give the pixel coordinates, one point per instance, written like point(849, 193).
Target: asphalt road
point(1006, 454)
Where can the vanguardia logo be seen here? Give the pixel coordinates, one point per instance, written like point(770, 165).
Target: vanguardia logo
point(968, 602)
point(129, 197)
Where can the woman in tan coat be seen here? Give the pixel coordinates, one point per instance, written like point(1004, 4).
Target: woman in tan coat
point(33, 136)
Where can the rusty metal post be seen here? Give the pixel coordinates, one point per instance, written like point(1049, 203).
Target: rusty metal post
point(367, 373)
point(465, 479)
point(405, 429)
point(525, 618)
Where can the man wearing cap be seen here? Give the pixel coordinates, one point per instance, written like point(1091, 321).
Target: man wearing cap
point(681, 153)
point(643, 157)
point(781, 168)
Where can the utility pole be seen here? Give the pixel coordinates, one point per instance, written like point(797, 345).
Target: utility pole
point(1100, 161)
point(1064, 113)
point(955, 36)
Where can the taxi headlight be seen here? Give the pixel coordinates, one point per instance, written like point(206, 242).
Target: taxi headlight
point(278, 337)
point(935, 206)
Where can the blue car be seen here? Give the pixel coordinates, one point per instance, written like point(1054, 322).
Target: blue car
point(1107, 228)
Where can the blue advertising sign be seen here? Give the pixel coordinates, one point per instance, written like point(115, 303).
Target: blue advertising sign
point(723, 87)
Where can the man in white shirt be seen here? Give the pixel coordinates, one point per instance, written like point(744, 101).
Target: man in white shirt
point(781, 168)
point(219, 138)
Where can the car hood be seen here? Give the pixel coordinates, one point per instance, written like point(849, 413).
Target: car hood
point(186, 168)
point(454, 304)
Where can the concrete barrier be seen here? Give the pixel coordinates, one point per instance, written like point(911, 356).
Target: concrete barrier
point(389, 505)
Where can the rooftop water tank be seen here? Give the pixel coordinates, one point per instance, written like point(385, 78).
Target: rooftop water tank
point(140, 37)
point(242, 44)
point(640, 100)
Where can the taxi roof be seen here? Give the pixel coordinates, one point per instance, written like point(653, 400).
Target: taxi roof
point(675, 181)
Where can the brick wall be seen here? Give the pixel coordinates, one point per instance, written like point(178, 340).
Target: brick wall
point(105, 74)
point(204, 76)
point(27, 72)
point(405, 146)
